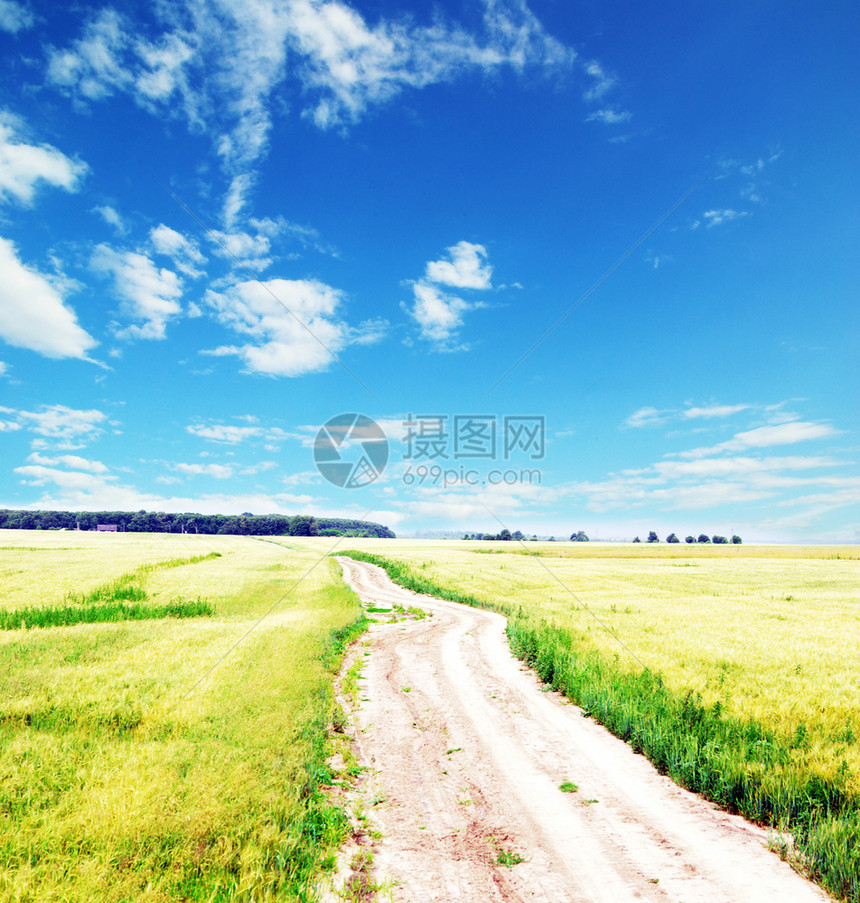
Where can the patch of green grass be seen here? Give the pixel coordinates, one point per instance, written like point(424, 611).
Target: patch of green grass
point(509, 858)
point(108, 612)
point(568, 787)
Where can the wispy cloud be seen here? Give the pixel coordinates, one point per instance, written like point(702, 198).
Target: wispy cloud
point(602, 81)
point(789, 433)
point(295, 325)
point(183, 251)
point(342, 62)
point(713, 410)
point(112, 218)
point(438, 312)
point(610, 116)
point(226, 433)
point(59, 427)
point(727, 215)
point(74, 462)
point(15, 17)
point(648, 416)
point(34, 313)
point(148, 294)
point(218, 471)
point(24, 166)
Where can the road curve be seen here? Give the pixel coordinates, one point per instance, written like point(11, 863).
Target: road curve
point(466, 755)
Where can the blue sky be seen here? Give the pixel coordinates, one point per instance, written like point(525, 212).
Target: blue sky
point(224, 223)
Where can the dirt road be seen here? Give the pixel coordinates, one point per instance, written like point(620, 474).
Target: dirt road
point(466, 756)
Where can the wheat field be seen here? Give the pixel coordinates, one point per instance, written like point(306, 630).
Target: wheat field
point(167, 759)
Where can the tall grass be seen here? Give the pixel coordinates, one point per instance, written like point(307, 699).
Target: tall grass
point(176, 759)
point(107, 612)
point(110, 602)
point(735, 762)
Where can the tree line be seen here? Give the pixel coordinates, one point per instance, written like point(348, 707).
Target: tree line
point(701, 538)
point(164, 522)
point(519, 536)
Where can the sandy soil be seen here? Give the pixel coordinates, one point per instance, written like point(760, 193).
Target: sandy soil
point(466, 755)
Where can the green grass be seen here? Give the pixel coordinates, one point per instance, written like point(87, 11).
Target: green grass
point(172, 759)
point(100, 614)
point(739, 762)
point(110, 602)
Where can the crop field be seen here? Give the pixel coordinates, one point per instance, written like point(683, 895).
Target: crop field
point(734, 668)
point(163, 737)
point(770, 634)
point(178, 754)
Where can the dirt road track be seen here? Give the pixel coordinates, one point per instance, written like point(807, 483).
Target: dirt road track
point(466, 755)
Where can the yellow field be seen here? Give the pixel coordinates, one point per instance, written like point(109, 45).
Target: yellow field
point(152, 760)
point(771, 632)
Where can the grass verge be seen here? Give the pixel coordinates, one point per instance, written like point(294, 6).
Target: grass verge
point(734, 762)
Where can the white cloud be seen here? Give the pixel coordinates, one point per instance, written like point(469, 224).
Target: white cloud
point(647, 416)
point(294, 324)
point(184, 252)
point(219, 471)
point(650, 416)
point(70, 480)
point(95, 66)
point(467, 267)
point(718, 217)
point(767, 436)
point(224, 432)
point(220, 64)
point(74, 462)
point(3, 368)
point(439, 314)
point(243, 249)
point(112, 218)
point(23, 166)
point(714, 410)
point(351, 65)
point(147, 294)
point(33, 313)
point(14, 16)
point(740, 466)
point(59, 426)
point(603, 82)
point(610, 116)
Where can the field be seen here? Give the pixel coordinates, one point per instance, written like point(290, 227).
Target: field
point(770, 633)
point(733, 668)
point(180, 757)
point(167, 758)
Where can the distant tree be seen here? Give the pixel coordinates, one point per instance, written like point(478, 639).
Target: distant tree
point(637, 539)
point(672, 538)
point(736, 540)
point(579, 536)
point(505, 534)
point(302, 525)
point(690, 539)
point(653, 537)
point(719, 540)
point(518, 535)
point(703, 538)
